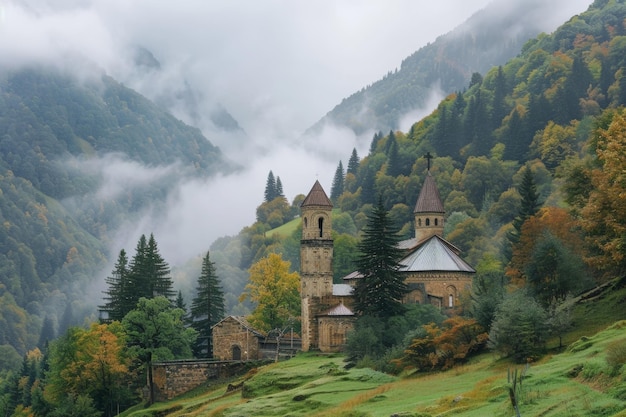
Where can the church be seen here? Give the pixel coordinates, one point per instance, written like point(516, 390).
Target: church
point(434, 271)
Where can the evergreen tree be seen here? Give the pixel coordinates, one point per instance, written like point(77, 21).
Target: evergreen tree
point(377, 137)
point(270, 187)
point(279, 188)
point(117, 295)
point(338, 183)
point(498, 105)
point(394, 166)
point(353, 163)
point(530, 199)
point(149, 275)
point(162, 283)
point(47, 333)
point(207, 307)
point(529, 207)
point(379, 292)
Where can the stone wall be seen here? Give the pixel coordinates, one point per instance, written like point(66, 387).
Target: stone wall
point(174, 378)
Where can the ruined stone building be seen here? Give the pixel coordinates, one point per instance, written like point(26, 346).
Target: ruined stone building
point(435, 272)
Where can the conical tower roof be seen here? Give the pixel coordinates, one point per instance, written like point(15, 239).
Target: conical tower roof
point(429, 200)
point(317, 197)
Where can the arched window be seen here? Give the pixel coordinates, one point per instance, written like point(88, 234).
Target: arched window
point(305, 223)
point(436, 221)
point(419, 222)
point(320, 225)
point(450, 300)
point(427, 222)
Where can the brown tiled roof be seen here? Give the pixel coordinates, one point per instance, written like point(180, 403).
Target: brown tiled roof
point(429, 200)
point(317, 197)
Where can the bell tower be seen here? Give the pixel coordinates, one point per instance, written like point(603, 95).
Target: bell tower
point(429, 212)
point(316, 261)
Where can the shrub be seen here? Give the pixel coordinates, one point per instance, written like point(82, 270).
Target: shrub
point(616, 353)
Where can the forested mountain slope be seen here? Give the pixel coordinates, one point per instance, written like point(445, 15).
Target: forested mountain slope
point(548, 109)
point(489, 38)
point(55, 133)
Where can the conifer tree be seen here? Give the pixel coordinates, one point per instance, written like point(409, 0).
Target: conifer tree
point(270, 187)
point(338, 183)
point(279, 188)
point(353, 163)
point(116, 297)
point(530, 199)
point(207, 307)
point(159, 273)
point(379, 292)
point(528, 208)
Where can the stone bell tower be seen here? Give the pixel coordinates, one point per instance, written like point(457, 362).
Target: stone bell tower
point(316, 261)
point(429, 212)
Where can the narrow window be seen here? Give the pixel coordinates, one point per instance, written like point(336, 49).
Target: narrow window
point(450, 300)
point(436, 222)
point(419, 222)
point(427, 222)
point(320, 224)
point(305, 223)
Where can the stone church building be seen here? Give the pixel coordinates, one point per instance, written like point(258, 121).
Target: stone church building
point(435, 273)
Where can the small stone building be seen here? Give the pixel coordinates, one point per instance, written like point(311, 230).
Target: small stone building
point(235, 339)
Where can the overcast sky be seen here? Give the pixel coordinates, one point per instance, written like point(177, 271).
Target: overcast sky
point(277, 66)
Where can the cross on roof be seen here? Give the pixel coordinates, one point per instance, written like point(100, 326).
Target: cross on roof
point(428, 157)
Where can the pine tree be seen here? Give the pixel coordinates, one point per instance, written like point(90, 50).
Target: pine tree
point(338, 182)
point(160, 279)
point(116, 296)
point(207, 307)
point(530, 206)
point(270, 187)
point(149, 275)
point(353, 163)
point(379, 292)
point(279, 188)
point(498, 105)
point(394, 167)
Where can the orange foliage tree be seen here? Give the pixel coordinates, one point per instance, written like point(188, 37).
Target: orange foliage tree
point(604, 216)
point(555, 220)
point(443, 347)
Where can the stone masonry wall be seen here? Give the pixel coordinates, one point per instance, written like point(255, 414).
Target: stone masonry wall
point(174, 378)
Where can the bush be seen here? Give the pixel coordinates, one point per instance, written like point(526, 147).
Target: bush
point(616, 353)
point(520, 328)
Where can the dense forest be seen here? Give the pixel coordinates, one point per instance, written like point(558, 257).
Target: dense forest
point(55, 226)
point(489, 38)
point(544, 109)
point(529, 158)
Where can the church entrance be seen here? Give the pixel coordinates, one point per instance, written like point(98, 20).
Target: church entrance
point(236, 353)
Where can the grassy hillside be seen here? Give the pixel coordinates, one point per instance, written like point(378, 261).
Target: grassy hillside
point(579, 381)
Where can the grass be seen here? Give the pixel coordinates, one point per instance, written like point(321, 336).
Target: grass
point(286, 229)
point(574, 382)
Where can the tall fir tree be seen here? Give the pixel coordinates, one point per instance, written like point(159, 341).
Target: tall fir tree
point(529, 207)
point(380, 290)
point(353, 163)
point(338, 183)
point(207, 307)
point(270, 187)
point(159, 278)
point(279, 188)
point(117, 295)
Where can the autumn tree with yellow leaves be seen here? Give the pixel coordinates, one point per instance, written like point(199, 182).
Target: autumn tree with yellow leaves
point(275, 291)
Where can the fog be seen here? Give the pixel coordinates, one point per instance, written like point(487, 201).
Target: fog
point(277, 66)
